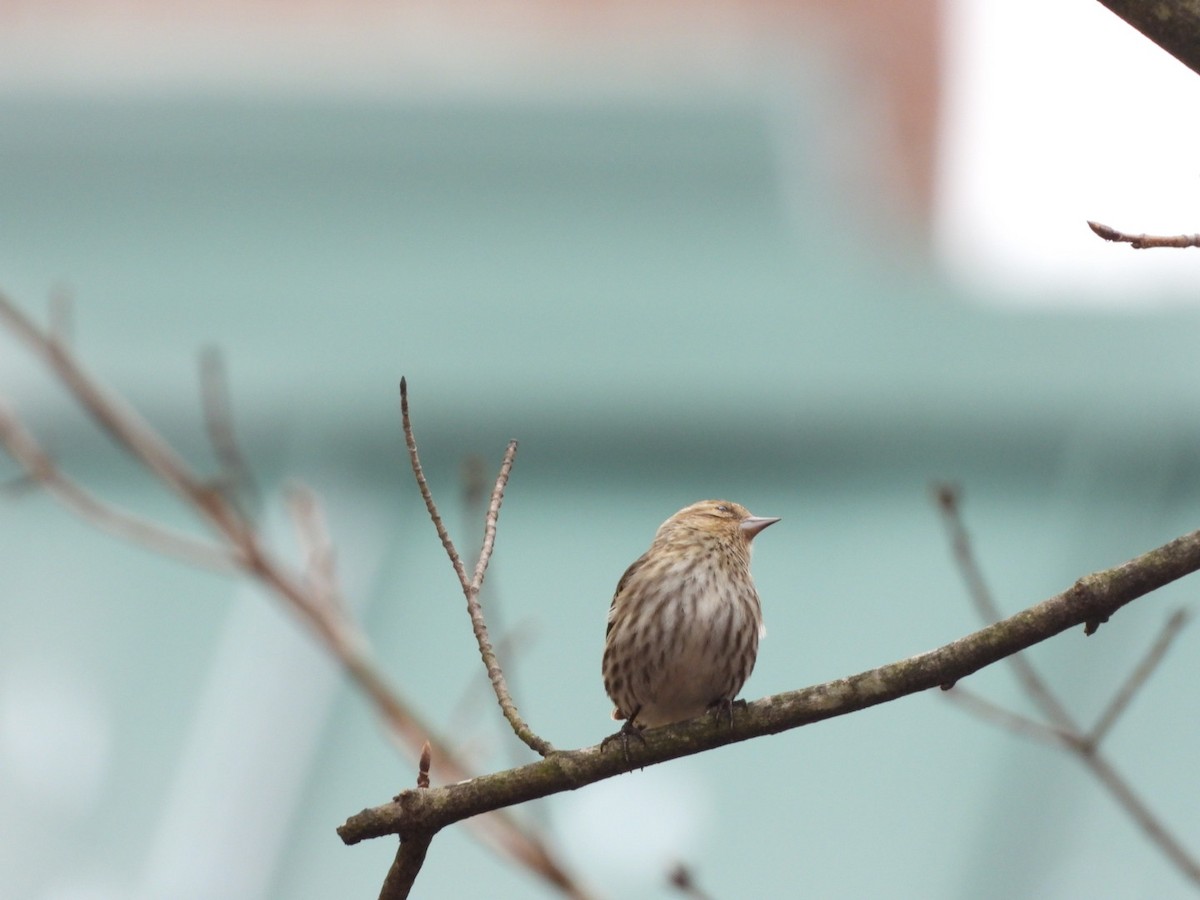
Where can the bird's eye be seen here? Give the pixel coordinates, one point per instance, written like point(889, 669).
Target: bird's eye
point(723, 508)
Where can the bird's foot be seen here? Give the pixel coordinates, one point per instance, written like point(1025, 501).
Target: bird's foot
point(723, 709)
point(627, 731)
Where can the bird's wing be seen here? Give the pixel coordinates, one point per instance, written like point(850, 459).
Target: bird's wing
point(637, 564)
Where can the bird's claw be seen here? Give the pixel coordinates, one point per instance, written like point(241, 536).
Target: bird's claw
point(723, 708)
point(627, 731)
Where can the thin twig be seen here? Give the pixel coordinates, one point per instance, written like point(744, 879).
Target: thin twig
point(474, 483)
point(218, 422)
point(475, 498)
point(423, 485)
point(41, 470)
point(1140, 813)
point(332, 626)
point(1144, 241)
point(1138, 677)
point(479, 626)
point(493, 514)
point(313, 532)
point(1069, 736)
point(124, 424)
point(681, 878)
point(472, 587)
point(62, 315)
point(1006, 719)
point(1039, 692)
point(464, 714)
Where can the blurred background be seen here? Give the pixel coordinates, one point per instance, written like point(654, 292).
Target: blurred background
point(811, 257)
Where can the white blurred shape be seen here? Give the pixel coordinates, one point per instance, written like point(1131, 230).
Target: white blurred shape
point(633, 830)
point(83, 892)
point(1057, 112)
point(55, 737)
point(254, 730)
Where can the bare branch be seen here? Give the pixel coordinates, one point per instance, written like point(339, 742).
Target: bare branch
point(1138, 677)
point(1064, 733)
point(411, 854)
point(41, 470)
point(472, 587)
point(1007, 719)
point(681, 878)
point(475, 610)
point(419, 474)
point(329, 622)
point(1140, 813)
point(218, 422)
point(493, 514)
point(313, 532)
point(1039, 692)
point(1144, 241)
point(62, 319)
point(116, 417)
point(405, 868)
point(1092, 597)
point(474, 482)
point(1172, 24)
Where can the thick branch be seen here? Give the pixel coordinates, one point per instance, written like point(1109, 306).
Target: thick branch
point(411, 854)
point(1091, 599)
point(1172, 24)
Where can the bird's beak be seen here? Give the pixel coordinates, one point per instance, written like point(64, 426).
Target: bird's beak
point(754, 524)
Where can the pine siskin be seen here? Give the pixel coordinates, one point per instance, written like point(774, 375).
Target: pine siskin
point(685, 621)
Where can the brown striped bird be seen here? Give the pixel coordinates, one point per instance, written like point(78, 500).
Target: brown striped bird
point(685, 622)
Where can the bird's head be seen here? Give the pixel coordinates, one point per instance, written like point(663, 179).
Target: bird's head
point(722, 520)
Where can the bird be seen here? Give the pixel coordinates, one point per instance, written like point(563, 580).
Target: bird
point(685, 621)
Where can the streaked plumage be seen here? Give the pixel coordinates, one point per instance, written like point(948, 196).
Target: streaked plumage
point(685, 622)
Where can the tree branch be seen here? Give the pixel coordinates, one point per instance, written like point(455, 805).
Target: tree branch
point(1063, 732)
point(1140, 813)
point(472, 587)
point(218, 421)
point(1144, 241)
point(411, 854)
point(1137, 677)
point(1172, 24)
point(1092, 598)
point(1039, 692)
point(41, 470)
point(240, 547)
point(1007, 719)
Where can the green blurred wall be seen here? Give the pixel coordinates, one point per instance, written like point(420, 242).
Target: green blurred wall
point(663, 301)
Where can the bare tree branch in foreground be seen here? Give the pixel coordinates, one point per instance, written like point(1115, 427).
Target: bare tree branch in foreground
point(1062, 731)
point(1172, 24)
point(417, 815)
point(472, 586)
point(1092, 600)
point(235, 546)
point(1144, 241)
point(411, 855)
